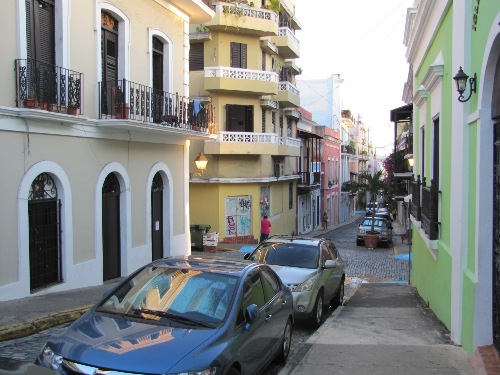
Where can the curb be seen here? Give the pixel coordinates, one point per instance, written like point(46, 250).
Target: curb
point(24, 329)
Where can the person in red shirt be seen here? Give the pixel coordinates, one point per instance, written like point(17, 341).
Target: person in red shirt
point(265, 228)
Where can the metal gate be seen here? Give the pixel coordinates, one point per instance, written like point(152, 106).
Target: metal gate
point(111, 228)
point(157, 217)
point(44, 233)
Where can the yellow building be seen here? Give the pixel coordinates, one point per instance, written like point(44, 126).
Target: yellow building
point(242, 66)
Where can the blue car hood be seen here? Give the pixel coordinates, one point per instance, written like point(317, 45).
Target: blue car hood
point(114, 343)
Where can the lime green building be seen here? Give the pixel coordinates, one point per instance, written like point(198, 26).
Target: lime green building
point(455, 197)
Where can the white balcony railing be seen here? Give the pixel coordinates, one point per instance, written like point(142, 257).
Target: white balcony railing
point(285, 31)
point(287, 86)
point(246, 11)
point(246, 137)
point(239, 73)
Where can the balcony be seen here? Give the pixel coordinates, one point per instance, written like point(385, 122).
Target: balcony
point(288, 95)
point(346, 149)
point(243, 19)
point(424, 207)
point(48, 87)
point(158, 110)
point(245, 143)
point(226, 79)
point(287, 43)
point(363, 156)
point(309, 181)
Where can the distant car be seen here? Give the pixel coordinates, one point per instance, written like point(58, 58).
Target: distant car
point(381, 226)
point(181, 315)
point(370, 207)
point(384, 215)
point(311, 267)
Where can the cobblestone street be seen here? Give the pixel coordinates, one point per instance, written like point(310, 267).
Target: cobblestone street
point(364, 265)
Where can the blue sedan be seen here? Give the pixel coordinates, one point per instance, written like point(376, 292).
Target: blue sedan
point(181, 315)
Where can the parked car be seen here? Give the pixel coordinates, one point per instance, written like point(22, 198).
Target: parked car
point(370, 207)
point(381, 226)
point(384, 215)
point(181, 315)
point(311, 267)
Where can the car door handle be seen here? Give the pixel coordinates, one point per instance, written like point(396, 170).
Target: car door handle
point(268, 317)
point(283, 302)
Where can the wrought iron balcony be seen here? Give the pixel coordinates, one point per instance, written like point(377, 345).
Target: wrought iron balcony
point(48, 87)
point(309, 181)
point(347, 149)
point(424, 206)
point(132, 101)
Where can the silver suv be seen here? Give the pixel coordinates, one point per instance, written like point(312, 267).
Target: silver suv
point(311, 267)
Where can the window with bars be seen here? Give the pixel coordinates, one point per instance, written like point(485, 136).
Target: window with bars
point(273, 121)
point(288, 127)
point(281, 125)
point(263, 61)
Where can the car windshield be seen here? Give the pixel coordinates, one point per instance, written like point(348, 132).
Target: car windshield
point(377, 222)
point(177, 294)
point(289, 254)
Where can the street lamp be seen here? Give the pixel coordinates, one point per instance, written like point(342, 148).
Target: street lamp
point(201, 162)
point(461, 81)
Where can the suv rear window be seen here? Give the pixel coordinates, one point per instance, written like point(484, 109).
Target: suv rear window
point(287, 254)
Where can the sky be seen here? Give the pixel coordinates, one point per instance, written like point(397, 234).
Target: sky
point(362, 40)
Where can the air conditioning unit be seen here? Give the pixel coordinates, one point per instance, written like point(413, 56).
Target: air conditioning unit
point(279, 169)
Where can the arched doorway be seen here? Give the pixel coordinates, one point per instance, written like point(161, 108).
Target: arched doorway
point(495, 115)
point(44, 233)
point(111, 228)
point(157, 217)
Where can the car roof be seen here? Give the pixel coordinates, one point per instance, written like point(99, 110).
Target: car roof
point(235, 267)
point(304, 240)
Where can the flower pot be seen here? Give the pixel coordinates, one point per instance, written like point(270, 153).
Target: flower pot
point(42, 104)
point(122, 113)
point(72, 110)
point(30, 103)
point(371, 240)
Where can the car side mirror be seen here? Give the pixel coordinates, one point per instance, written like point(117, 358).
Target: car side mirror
point(246, 256)
point(330, 263)
point(251, 314)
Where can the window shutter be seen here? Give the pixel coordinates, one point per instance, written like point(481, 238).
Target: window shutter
point(249, 118)
point(495, 104)
point(243, 63)
point(45, 32)
point(30, 42)
point(196, 57)
point(235, 55)
point(157, 64)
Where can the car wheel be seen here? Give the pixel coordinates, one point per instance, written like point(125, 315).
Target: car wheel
point(233, 371)
point(317, 315)
point(338, 299)
point(286, 342)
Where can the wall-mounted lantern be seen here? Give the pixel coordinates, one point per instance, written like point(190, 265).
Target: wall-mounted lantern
point(461, 81)
point(201, 162)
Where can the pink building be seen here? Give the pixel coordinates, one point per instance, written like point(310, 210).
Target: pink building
point(330, 168)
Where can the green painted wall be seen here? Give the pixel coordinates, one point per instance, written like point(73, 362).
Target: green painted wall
point(432, 273)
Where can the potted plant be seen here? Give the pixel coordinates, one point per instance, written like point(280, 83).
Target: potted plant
point(122, 109)
point(371, 185)
point(30, 101)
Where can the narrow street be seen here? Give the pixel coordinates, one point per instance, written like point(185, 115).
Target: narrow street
point(364, 265)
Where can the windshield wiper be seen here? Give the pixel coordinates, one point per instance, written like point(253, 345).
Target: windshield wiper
point(176, 317)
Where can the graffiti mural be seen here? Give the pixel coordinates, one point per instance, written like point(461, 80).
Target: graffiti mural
point(238, 216)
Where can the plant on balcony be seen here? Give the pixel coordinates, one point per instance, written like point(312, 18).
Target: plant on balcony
point(30, 101)
point(234, 11)
point(122, 110)
point(201, 29)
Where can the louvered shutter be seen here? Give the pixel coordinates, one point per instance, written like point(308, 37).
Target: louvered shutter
point(231, 112)
point(235, 55)
point(249, 118)
point(196, 59)
point(157, 64)
point(30, 33)
point(45, 31)
point(243, 57)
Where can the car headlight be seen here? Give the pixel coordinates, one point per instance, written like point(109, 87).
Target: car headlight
point(50, 359)
point(208, 371)
point(384, 233)
point(361, 231)
point(306, 286)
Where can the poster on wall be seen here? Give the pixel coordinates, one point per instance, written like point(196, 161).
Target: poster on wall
point(238, 216)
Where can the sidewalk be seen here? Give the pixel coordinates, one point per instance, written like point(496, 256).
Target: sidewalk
point(383, 329)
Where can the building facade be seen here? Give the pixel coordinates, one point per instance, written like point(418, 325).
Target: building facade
point(95, 128)
point(242, 63)
point(454, 208)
